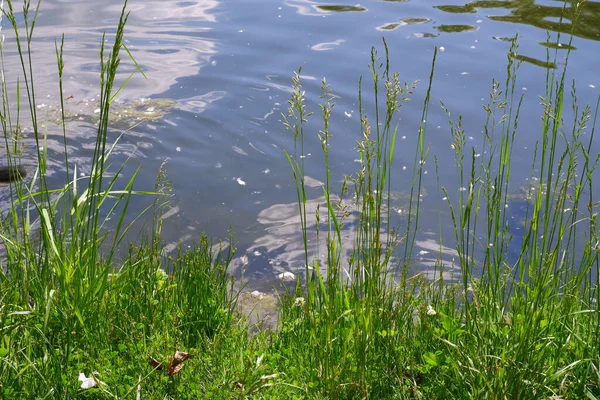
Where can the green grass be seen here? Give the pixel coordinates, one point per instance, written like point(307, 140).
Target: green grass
point(357, 325)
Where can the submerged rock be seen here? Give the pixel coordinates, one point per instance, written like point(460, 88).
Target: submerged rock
point(259, 309)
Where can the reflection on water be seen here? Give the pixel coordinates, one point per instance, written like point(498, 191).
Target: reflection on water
point(403, 22)
point(558, 46)
point(167, 44)
point(456, 28)
point(341, 8)
point(557, 17)
point(535, 61)
point(280, 249)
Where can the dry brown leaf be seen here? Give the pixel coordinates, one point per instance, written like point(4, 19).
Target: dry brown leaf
point(154, 363)
point(175, 363)
point(175, 368)
point(181, 356)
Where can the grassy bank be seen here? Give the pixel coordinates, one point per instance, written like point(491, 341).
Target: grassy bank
point(76, 321)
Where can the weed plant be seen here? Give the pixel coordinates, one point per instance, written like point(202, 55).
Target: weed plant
point(69, 307)
point(358, 326)
point(523, 328)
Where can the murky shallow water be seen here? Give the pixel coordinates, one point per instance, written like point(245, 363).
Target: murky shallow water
point(221, 72)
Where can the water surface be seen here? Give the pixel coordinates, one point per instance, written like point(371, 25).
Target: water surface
point(220, 72)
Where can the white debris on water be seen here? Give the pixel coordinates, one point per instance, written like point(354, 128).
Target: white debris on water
point(241, 182)
point(287, 276)
point(239, 150)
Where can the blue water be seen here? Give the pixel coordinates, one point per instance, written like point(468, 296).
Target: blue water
point(228, 67)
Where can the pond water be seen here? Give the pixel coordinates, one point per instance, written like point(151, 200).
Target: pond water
point(220, 72)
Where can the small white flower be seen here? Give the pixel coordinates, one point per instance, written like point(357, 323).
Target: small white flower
point(90, 381)
point(299, 302)
point(430, 310)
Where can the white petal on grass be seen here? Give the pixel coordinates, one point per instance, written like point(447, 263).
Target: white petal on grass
point(89, 381)
point(430, 310)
